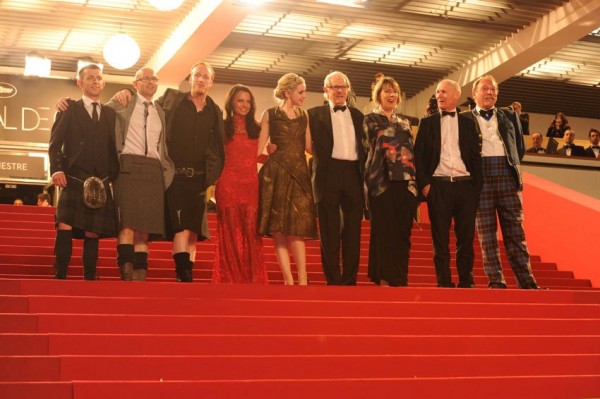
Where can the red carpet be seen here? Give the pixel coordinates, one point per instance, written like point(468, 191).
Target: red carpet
point(160, 339)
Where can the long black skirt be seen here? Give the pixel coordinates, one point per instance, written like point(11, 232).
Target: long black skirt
point(392, 215)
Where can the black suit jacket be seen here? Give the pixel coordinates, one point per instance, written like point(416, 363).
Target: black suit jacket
point(68, 135)
point(428, 146)
point(576, 151)
point(589, 152)
point(321, 130)
point(511, 134)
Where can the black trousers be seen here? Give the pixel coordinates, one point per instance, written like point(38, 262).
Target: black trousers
point(448, 201)
point(340, 213)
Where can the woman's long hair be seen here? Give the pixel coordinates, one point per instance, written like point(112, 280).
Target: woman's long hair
point(252, 127)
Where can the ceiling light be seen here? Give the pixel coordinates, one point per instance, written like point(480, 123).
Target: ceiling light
point(347, 3)
point(36, 65)
point(165, 5)
point(121, 51)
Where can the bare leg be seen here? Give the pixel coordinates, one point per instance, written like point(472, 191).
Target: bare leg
point(140, 241)
point(125, 236)
point(298, 248)
point(192, 240)
point(283, 256)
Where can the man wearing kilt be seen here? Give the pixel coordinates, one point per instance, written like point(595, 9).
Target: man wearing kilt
point(502, 148)
point(146, 171)
point(82, 146)
point(195, 139)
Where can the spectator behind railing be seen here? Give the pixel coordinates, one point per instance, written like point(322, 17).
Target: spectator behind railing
point(558, 126)
point(523, 116)
point(569, 148)
point(536, 144)
point(593, 151)
point(43, 199)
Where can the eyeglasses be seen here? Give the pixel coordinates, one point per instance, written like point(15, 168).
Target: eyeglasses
point(338, 87)
point(152, 79)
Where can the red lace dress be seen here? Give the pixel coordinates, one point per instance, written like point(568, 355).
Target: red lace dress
point(239, 249)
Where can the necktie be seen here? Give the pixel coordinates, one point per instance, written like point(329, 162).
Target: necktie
point(595, 147)
point(146, 113)
point(449, 113)
point(337, 108)
point(95, 113)
point(487, 114)
point(567, 146)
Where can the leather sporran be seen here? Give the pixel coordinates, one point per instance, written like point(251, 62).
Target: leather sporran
point(94, 193)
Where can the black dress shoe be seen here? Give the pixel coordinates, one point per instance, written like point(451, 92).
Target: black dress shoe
point(184, 276)
point(532, 287)
point(446, 285)
point(496, 285)
point(466, 285)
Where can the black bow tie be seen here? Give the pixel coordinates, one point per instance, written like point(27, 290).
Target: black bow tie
point(595, 147)
point(567, 146)
point(487, 114)
point(337, 108)
point(450, 113)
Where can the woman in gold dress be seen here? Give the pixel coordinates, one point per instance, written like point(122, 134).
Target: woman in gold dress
point(286, 205)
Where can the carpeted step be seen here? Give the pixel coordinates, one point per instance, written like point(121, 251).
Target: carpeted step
point(44, 304)
point(353, 388)
point(232, 343)
point(269, 367)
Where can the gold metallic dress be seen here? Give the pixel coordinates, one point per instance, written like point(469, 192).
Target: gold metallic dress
point(286, 202)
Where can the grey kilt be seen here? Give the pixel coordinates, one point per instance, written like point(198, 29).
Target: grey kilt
point(70, 210)
point(139, 195)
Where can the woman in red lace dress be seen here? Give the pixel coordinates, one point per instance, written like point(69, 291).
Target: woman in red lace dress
point(239, 249)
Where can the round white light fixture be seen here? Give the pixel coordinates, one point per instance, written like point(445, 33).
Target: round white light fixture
point(165, 5)
point(121, 51)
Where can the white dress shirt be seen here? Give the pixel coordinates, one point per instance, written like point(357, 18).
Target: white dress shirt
point(451, 163)
point(491, 145)
point(344, 137)
point(136, 134)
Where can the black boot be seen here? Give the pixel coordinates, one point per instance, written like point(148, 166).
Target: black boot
point(183, 267)
point(125, 261)
point(140, 266)
point(63, 248)
point(90, 258)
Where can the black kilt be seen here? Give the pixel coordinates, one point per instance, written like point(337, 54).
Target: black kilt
point(139, 195)
point(185, 205)
point(70, 210)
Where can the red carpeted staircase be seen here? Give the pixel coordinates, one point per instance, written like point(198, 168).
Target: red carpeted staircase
point(161, 339)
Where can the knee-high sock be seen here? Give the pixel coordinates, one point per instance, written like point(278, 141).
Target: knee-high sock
point(140, 260)
point(182, 261)
point(90, 257)
point(63, 248)
point(125, 254)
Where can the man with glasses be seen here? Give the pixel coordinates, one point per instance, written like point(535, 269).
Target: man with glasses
point(194, 135)
point(338, 166)
point(146, 171)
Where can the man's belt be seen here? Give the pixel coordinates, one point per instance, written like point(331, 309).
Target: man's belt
point(188, 172)
point(451, 179)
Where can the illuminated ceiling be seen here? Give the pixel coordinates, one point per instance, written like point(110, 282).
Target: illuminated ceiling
point(417, 42)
